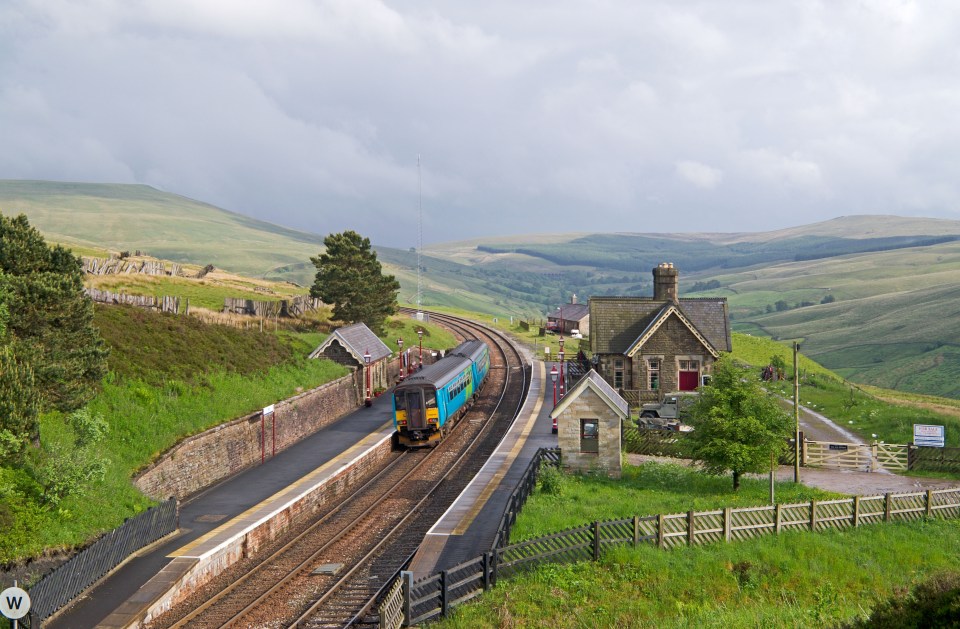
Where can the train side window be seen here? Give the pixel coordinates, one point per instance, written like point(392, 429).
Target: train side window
point(431, 399)
point(401, 401)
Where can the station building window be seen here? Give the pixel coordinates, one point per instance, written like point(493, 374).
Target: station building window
point(589, 436)
point(653, 373)
point(618, 373)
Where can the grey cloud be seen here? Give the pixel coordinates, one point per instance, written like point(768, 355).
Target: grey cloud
point(652, 116)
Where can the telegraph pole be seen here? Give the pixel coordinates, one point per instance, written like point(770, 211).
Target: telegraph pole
point(796, 414)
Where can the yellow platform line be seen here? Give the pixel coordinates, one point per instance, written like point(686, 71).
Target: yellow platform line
point(249, 518)
point(494, 482)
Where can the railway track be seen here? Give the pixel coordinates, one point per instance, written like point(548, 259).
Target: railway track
point(330, 574)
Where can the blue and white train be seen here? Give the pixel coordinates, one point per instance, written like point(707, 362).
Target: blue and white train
point(428, 402)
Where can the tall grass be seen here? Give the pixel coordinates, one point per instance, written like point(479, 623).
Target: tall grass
point(170, 377)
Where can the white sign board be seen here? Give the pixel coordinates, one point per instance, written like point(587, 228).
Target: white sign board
point(14, 603)
point(928, 435)
point(268, 409)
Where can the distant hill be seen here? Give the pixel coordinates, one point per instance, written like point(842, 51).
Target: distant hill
point(872, 297)
point(167, 226)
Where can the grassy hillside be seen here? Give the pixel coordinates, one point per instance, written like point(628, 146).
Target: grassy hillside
point(167, 226)
point(872, 297)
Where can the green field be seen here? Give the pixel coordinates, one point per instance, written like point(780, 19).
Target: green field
point(795, 579)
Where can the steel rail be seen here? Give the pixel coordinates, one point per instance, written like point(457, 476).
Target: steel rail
point(503, 347)
point(266, 560)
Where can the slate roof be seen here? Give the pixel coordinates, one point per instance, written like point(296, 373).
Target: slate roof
point(357, 339)
point(617, 323)
point(600, 386)
point(571, 312)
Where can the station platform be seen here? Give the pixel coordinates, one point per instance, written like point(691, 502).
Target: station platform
point(216, 523)
point(469, 526)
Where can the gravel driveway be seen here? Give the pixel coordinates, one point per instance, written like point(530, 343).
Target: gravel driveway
point(816, 427)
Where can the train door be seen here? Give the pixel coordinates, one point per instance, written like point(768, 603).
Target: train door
point(415, 415)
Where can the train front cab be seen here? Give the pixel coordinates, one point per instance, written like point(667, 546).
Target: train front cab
point(417, 417)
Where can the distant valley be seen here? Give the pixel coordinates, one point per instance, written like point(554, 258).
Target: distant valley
point(875, 298)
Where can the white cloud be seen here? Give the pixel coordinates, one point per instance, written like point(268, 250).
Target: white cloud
point(700, 175)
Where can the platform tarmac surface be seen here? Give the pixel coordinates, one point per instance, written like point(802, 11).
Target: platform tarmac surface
point(221, 504)
point(469, 527)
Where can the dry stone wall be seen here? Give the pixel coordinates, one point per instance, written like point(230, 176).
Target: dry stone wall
point(202, 460)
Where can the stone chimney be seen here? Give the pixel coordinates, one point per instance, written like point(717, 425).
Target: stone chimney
point(573, 300)
point(665, 283)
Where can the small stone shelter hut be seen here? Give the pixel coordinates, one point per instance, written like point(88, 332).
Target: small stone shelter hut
point(349, 344)
point(589, 421)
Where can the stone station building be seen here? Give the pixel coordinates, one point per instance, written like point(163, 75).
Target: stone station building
point(645, 347)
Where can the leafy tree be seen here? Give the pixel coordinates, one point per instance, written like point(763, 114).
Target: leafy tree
point(350, 278)
point(737, 424)
point(49, 320)
point(782, 305)
point(828, 299)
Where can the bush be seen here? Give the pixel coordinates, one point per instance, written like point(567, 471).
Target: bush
point(935, 602)
point(550, 480)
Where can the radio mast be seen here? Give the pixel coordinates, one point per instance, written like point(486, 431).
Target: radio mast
point(419, 238)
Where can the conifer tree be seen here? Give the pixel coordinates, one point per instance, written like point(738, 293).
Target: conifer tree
point(350, 278)
point(49, 320)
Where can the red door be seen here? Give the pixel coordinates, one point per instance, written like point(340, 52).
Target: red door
point(689, 380)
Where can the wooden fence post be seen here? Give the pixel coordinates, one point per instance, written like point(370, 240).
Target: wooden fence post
point(813, 515)
point(407, 577)
point(487, 565)
point(596, 541)
point(886, 507)
point(691, 532)
point(660, 531)
point(856, 511)
point(777, 516)
point(444, 593)
point(727, 534)
point(929, 503)
point(636, 531)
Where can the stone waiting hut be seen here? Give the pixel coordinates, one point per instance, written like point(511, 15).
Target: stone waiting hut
point(589, 421)
point(349, 346)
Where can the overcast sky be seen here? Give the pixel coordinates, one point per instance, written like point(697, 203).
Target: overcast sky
point(535, 116)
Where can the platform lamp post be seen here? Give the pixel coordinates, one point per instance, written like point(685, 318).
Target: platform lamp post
point(553, 377)
point(366, 361)
point(400, 356)
point(562, 376)
point(420, 336)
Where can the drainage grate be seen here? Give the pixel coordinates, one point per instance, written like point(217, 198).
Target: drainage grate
point(210, 517)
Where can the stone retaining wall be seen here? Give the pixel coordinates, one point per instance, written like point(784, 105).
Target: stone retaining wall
point(204, 459)
point(247, 544)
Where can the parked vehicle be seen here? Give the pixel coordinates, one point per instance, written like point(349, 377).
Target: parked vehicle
point(667, 414)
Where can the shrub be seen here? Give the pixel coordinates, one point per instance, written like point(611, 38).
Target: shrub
point(550, 480)
point(934, 602)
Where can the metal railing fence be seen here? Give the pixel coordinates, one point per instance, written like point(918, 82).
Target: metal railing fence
point(69, 580)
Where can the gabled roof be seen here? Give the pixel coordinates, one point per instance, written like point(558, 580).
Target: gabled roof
point(357, 339)
point(571, 312)
point(617, 323)
point(661, 317)
point(598, 385)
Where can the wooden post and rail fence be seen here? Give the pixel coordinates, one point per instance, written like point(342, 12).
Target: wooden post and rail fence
point(410, 602)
